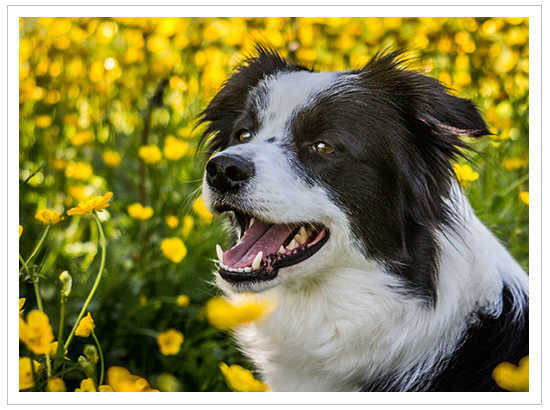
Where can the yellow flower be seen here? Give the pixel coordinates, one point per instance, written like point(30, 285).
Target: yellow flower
point(111, 158)
point(86, 386)
point(82, 138)
point(465, 174)
point(138, 211)
point(225, 314)
point(26, 377)
point(200, 208)
point(85, 327)
point(170, 342)
point(43, 121)
point(172, 221)
point(78, 170)
point(20, 231)
point(36, 332)
point(241, 379)
point(188, 224)
point(511, 377)
point(56, 385)
point(87, 207)
point(524, 196)
point(174, 249)
point(121, 380)
point(182, 300)
point(174, 148)
point(21, 303)
point(105, 388)
point(150, 154)
point(48, 216)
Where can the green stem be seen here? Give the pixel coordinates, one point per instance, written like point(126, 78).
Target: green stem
point(60, 354)
point(100, 358)
point(37, 248)
point(103, 244)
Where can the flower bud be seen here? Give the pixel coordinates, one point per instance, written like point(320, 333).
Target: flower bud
point(90, 351)
point(67, 282)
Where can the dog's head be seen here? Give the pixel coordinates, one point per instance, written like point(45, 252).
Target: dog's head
point(316, 168)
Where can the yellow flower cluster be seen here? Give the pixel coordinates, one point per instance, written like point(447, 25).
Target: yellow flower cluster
point(138, 211)
point(200, 209)
point(227, 314)
point(111, 158)
point(511, 377)
point(150, 154)
point(26, 372)
point(175, 149)
point(524, 196)
point(241, 379)
point(121, 380)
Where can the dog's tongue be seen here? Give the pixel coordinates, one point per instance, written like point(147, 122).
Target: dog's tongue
point(260, 237)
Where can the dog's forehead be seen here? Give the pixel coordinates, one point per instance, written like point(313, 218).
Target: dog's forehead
point(279, 96)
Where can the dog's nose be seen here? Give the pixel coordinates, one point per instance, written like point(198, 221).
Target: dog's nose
point(227, 173)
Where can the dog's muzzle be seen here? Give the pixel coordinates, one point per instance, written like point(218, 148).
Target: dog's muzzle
point(228, 173)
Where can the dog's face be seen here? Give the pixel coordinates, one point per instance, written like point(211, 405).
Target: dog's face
point(331, 169)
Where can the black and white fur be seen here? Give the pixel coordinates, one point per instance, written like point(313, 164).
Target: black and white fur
point(411, 292)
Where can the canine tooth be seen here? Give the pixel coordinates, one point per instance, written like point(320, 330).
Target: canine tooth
point(257, 260)
point(282, 249)
point(219, 251)
point(292, 245)
point(252, 220)
point(301, 236)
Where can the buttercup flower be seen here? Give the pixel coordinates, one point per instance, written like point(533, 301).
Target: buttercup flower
point(48, 216)
point(56, 385)
point(200, 209)
point(138, 211)
point(85, 326)
point(188, 224)
point(121, 380)
point(43, 121)
point(241, 379)
point(174, 249)
point(78, 170)
point(182, 300)
point(87, 207)
point(511, 377)
point(36, 332)
point(111, 158)
point(174, 148)
point(21, 303)
point(170, 342)
point(150, 154)
point(226, 314)
point(87, 385)
point(82, 138)
point(26, 378)
point(524, 196)
point(172, 221)
point(20, 231)
point(465, 174)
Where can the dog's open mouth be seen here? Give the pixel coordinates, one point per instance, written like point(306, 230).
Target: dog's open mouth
point(265, 247)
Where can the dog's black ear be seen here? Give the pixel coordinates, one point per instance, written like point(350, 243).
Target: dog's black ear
point(230, 102)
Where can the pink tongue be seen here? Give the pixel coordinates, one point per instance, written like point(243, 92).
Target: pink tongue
point(260, 237)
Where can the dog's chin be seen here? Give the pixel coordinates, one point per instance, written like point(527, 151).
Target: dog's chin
point(265, 250)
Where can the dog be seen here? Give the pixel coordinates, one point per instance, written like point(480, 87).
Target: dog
point(341, 193)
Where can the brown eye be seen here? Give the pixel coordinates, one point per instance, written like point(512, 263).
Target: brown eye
point(244, 136)
point(322, 148)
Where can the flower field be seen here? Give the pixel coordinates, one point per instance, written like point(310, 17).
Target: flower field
point(116, 245)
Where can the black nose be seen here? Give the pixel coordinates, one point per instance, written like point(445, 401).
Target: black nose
point(228, 173)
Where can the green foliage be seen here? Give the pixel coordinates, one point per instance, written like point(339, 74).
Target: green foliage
point(91, 86)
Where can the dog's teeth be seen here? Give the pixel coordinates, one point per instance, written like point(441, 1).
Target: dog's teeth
point(252, 220)
point(248, 270)
point(282, 249)
point(241, 270)
point(219, 251)
point(292, 245)
point(257, 260)
point(301, 236)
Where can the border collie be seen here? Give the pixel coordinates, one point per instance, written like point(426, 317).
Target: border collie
point(341, 192)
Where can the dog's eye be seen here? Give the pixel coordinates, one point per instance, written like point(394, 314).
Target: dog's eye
point(244, 136)
point(322, 148)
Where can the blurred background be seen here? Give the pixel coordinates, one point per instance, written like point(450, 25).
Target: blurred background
point(109, 105)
